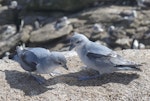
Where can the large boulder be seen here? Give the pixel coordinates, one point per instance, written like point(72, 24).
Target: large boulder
point(9, 43)
point(67, 5)
point(48, 33)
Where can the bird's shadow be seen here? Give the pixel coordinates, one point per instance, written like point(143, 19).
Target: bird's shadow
point(71, 79)
point(30, 87)
point(24, 82)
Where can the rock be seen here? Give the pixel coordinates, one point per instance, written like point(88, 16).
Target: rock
point(16, 84)
point(25, 34)
point(8, 44)
point(130, 32)
point(124, 42)
point(48, 33)
point(56, 5)
point(6, 15)
point(144, 4)
point(7, 31)
point(68, 5)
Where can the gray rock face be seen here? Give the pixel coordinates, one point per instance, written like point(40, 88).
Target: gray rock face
point(11, 42)
point(68, 5)
point(60, 5)
point(7, 31)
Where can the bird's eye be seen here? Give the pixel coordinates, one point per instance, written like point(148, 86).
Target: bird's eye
point(59, 63)
point(78, 42)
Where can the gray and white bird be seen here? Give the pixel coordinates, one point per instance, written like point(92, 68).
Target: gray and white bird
point(13, 4)
point(135, 44)
point(97, 28)
point(39, 60)
point(99, 57)
point(62, 22)
point(140, 2)
point(128, 15)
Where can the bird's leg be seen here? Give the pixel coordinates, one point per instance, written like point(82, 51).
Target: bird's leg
point(39, 80)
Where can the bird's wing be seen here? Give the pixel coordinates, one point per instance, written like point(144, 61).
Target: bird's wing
point(29, 59)
point(97, 49)
point(100, 53)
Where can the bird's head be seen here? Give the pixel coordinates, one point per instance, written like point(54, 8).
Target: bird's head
point(59, 60)
point(78, 40)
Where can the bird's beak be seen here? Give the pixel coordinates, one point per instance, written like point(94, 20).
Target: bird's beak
point(65, 66)
point(71, 47)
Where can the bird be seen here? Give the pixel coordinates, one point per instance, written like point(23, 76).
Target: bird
point(111, 30)
point(97, 28)
point(140, 3)
point(13, 4)
point(135, 44)
point(39, 60)
point(17, 19)
point(37, 23)
point(129, 15)
point(6, 57)
point(62, 22)
point(99, 57)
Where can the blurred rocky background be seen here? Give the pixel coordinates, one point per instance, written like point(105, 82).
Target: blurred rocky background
point(118, 24)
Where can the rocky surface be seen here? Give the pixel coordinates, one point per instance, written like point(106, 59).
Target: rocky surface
point(16, 84)
point(104, 12)
point(48, 33)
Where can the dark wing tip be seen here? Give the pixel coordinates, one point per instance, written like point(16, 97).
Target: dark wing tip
point(133, 67)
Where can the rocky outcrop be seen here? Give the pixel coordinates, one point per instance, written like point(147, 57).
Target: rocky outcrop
point(9, 43)
point(48, 33)
point(16, 84)
point(103, 12)
point(125, 29)
point(68, 5)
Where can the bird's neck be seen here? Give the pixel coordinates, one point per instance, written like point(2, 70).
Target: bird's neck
point(81, 50)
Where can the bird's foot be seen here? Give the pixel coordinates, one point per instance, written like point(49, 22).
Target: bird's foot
point(54, 74)
point(88, 77)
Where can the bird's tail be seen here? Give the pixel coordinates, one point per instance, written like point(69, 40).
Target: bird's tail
point(129, 67)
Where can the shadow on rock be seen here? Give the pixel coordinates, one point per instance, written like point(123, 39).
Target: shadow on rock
point(72, 79)
point(24, 82)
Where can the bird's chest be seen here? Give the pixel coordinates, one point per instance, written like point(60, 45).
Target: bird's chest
point(83, 56)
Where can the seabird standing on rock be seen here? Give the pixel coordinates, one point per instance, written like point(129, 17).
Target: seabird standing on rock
point(135, 44)
point(9, 30)
point(39, 60)
point(18, 21)
point(98, 57)
point(130, 16)
point(6, 56)
point(112, 32)
point(140, 3)
point(111, 29)
point(37, 24)
point(62, 22)
point(97, 28)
